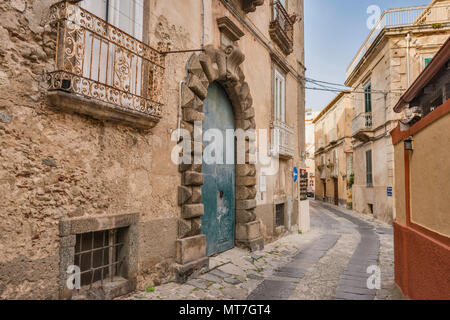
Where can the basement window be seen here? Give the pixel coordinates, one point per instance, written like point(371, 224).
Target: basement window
point(279, 215)
point(100, 255)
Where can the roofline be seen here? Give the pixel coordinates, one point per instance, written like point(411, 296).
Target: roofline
point(331, 104)
point(384, 35)
point(439, 60)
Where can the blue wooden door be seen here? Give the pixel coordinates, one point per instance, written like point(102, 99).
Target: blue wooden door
point(218, 191)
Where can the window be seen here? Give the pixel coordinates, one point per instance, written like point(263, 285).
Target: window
point(368, 97)
point(426, 59)
point(128, 15)
point(98, 255)
point(279, 97)
point(279, 215)
point(369, 177)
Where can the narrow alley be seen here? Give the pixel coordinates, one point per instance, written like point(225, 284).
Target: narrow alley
point(330, 262)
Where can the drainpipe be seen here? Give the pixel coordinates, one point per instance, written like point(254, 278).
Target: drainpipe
point(408, 43)
point(203, 23)
point(179, 115)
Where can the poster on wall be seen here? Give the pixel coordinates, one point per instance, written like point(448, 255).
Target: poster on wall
point(303, 184)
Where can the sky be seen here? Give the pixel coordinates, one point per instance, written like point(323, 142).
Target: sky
point(334, 31)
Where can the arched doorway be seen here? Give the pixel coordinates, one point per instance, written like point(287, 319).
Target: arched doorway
point(218, 191)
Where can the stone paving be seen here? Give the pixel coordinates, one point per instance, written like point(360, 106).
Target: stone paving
point(329, 262)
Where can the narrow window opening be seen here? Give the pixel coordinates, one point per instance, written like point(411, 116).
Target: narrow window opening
point(279, 215)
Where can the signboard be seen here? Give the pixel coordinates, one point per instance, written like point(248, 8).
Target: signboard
point(303, 184)
point(295, 176)
point(389, 191)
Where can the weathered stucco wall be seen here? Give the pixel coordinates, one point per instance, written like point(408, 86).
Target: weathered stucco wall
point(428, 193)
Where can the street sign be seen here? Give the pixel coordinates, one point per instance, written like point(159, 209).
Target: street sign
point(389, 191)
point(295, 174)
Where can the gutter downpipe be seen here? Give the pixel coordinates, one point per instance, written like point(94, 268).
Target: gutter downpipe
point(408, 43)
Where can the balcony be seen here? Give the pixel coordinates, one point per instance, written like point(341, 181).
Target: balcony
point(333, 136)
point(401, 17)
point(281, 28)
point(102, 71)
point(283, 140)
point(362, 127)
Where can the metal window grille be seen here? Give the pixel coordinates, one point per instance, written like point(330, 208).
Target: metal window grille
point(279, 215)
point(98, 255)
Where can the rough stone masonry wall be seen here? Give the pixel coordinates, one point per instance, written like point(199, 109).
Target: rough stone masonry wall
point(55, 165)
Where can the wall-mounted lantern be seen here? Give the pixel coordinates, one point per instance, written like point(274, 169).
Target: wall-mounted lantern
point(409, 143)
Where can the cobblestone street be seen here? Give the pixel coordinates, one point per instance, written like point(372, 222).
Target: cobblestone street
point(329, 262)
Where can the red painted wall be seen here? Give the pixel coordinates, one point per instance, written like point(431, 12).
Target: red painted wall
point(422, 264)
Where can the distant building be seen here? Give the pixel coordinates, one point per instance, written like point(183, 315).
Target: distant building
point(333, 156)
point(422, 184)
point(310, 147)
point(399, 47)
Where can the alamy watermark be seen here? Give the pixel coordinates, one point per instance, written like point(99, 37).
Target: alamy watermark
point(374, 280)
point(374, 13)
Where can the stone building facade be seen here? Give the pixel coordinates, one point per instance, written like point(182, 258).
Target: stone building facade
point(310, 147)
point(91, 99)
point(333, 156)
point(394, 54)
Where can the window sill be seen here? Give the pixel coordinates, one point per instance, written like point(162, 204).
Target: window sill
point(75, 103)
point(108, 291)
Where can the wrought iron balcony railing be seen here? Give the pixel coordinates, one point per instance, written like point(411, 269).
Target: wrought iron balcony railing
point(362, 122)
point(282, 27)
point(99, 61)
point(283, 139)
point(401, 17)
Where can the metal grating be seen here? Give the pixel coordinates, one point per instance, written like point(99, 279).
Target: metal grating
point(279, 215)
point(98, 255)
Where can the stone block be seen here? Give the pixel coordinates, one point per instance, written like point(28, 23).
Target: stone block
point(67, 241)
point(246, 181)
point(195, 84)
point(190, 249)
point(192, 115)
point(196, 195)
point(190, 167)
point(192, 211)
point(184, 228)
point(184, 194)
point(195, 66)
point(191, 269)
point(246, 204)
point(243, 170)
point(248, 231)
point(196, 228)
point(192, 178)
point(187, 97)
point(245, 193)
point(245, 216)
